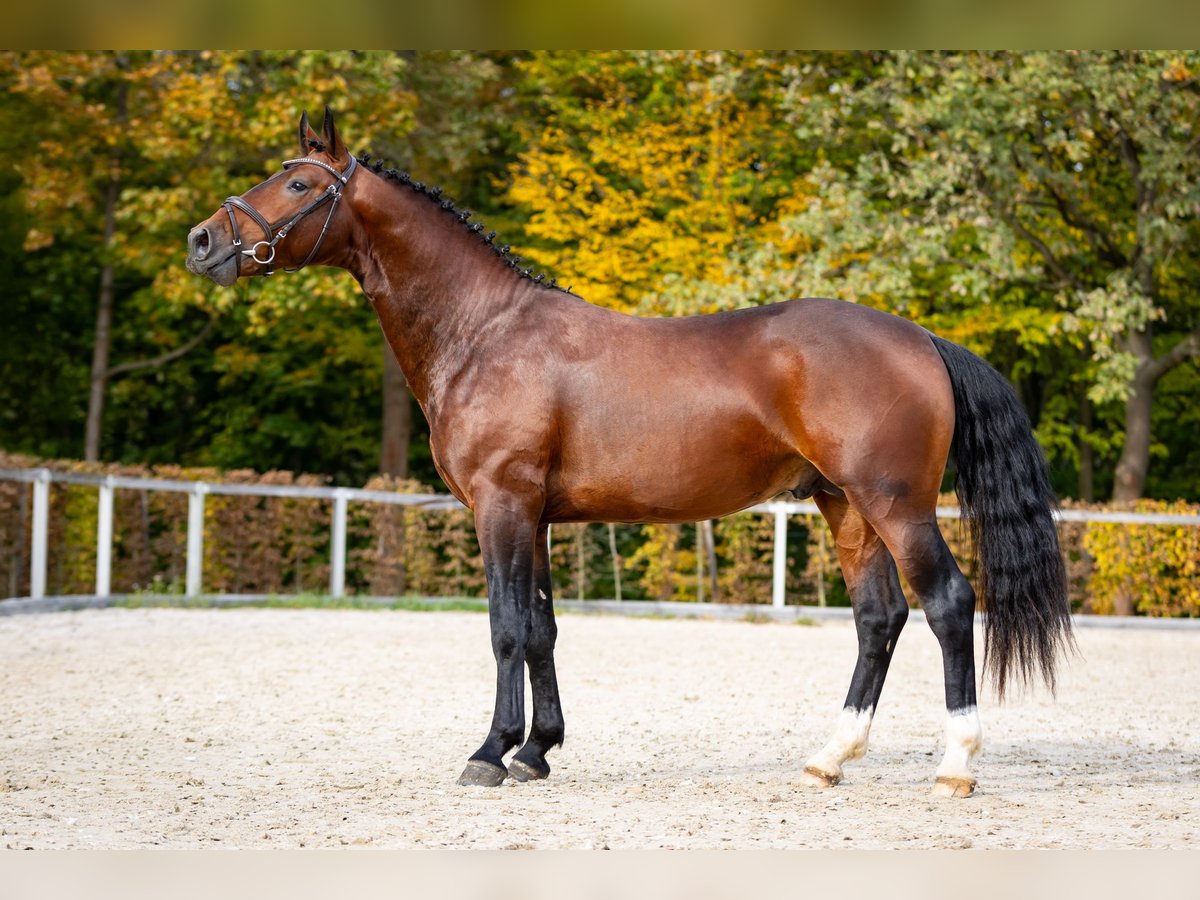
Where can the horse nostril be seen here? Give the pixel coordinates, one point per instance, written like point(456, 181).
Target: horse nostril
point(200, 243)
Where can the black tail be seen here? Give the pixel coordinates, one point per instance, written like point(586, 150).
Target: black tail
point(1008, 503)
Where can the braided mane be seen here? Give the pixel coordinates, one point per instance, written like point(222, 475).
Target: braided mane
point(434, 194)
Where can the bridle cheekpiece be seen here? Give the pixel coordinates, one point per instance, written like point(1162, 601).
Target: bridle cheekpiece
point(332, 193)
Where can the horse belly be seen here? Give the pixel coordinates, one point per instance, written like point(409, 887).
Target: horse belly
point(671, 475)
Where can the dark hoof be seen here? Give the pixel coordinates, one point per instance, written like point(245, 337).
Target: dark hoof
point(482, 774)
point(525, 772)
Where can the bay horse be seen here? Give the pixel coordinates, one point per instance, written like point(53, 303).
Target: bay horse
point(543, 408)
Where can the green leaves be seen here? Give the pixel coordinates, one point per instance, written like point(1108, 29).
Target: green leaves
point(1061, 181)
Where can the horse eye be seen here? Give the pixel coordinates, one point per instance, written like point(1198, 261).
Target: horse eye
point(298, 186)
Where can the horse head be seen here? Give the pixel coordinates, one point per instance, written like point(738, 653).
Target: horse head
point(273, 224)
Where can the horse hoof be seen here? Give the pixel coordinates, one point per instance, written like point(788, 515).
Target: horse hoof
point(814, 777)
point(952, 786)
point(482, 774)
point(525, 772)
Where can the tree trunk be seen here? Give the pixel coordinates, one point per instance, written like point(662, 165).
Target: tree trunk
point(1130, 479)
point(397, 418)
point(103, 342)
point(580, 562)
point(393, 451)
point(98, 384)
point(1135, 456)
point(616, 560)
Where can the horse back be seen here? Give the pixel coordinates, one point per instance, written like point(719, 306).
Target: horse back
point(682, 419)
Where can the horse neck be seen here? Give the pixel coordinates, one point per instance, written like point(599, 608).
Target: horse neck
point(439, 292)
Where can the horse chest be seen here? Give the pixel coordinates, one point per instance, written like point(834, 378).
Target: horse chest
point(447, 472)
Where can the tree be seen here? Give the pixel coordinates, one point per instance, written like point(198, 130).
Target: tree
point(131, 146)
point(1069, 182)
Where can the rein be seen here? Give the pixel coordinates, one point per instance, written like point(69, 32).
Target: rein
point(332, 193)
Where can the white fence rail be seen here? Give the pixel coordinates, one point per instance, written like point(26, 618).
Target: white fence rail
point(197, 490)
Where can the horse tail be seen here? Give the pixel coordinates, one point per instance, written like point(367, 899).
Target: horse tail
point(1006, 498)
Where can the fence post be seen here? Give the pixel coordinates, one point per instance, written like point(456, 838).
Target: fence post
point(195, 538)
point(104, 517)
point(41, 535)
point(779, 574)
point(337, 553)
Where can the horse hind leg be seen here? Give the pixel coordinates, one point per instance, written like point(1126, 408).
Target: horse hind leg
point(880, 612)
point(949, 603)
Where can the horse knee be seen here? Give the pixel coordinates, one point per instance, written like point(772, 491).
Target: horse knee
point(509, 643)
point(542, 637)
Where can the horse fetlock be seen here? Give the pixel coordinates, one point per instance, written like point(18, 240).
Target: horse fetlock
point(964, 738)
point(849, 742)
point(511, 737)
point(543, 737)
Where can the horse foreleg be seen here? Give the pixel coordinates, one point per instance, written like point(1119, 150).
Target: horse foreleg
point(505, 525)
point(880, 612)
point(547, 729)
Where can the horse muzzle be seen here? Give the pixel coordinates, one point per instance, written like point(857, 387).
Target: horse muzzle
point(211, 257)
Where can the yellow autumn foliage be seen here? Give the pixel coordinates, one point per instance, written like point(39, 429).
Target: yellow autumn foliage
point(652, 173)
point(1155, 568)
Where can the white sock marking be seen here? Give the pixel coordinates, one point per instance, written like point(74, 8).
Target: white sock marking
point(964, 737)
point(849, 741)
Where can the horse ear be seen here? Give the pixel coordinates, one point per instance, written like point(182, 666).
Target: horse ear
point(307, 135)
point(333, 141)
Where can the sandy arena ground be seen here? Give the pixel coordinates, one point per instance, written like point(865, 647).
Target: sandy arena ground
point(316, 728)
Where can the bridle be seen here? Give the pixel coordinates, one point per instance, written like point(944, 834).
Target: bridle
point(332, 193)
